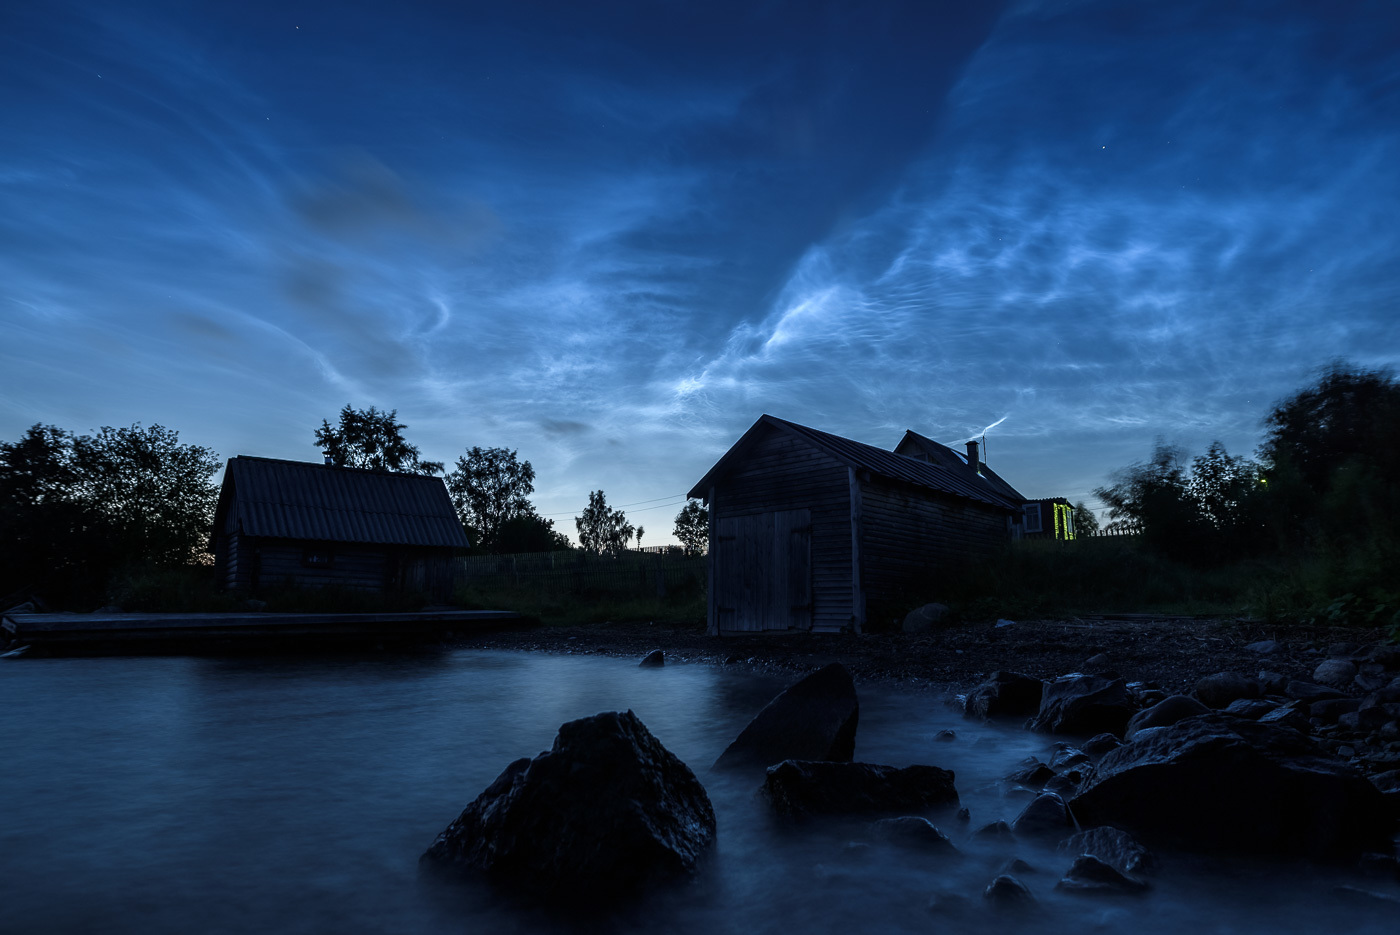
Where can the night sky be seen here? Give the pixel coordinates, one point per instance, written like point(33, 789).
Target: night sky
point(610, 235)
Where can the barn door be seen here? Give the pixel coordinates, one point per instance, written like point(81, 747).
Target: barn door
point(763, 571)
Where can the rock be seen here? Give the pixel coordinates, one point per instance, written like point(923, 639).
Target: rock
point(1033, 774)
point(1006, 893)
point(813, 719)
point(1098, 663)
point(25, 608)
point(653, 660)
point(1099, 744)
point(255, 605)
point(1333, 708)
point(1287, 715)
point(604, 812)
point(1382, 696)
point(1014, 866)
point(1067, 756)
point(1310, 691)
point(1089, 875)
point(1264, 647)
point(1218, 690)
point(1165, 712)
point(1084, 704)
point(109, 609)
point(1335, 672)
point(963, 816)
point(1002, 623)
point(1364, 720)
point(797, 788)
point(1065, 785)
point(925, 618)
point(913, 832)
point(1251, 708)
point(1387, 656)
point(1217, 782)
point(945, 735)
point(1114, 847)
point(1342, 649)
point(1273, 683)
point(1046, 814)
point(995, 830)
point(1005, 693)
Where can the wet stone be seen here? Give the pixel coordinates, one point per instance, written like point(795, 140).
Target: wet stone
point(1006, 893)
point(1091, 876)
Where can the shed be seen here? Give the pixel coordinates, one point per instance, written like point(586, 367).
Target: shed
point(1048, 518)
point(307, 524)
point(811, 531)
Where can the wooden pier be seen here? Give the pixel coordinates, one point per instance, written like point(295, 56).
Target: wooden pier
point(135, 632)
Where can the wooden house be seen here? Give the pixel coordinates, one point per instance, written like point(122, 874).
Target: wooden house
point(306, 524)
point(809, 531)
point(1048, 518)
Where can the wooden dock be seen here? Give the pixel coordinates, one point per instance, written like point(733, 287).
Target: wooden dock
point(136, 632)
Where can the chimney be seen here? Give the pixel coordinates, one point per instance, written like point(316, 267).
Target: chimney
point(327, 456)
point(973, 459)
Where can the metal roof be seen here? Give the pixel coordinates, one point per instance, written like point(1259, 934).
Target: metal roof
point(302, 500)
point(956, 460)
point(960, 482)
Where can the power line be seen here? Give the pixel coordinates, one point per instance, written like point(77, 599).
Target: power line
point(674, 498)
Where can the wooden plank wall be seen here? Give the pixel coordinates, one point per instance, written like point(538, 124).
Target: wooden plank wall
point(355, 566)
point(780, 472)
point(910, 534)
point(763, 577)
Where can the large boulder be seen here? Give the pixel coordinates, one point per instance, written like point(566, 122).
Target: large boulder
point(1090, 875)
point(1215, 782)
point(1084, 704)
point(1043, 815)
point(1221, 688)
point(1168, 711)
point(1005, 693)
point(1112, 846)
point(925, 618)
point(603, 813)
point(813, 719)
point(797, 788)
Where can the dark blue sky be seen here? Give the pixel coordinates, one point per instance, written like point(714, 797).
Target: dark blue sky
point(610, 235)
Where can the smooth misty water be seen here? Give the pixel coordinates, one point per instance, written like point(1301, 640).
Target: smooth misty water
point(295, 795)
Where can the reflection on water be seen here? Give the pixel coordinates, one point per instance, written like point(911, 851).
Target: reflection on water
point(295, 795)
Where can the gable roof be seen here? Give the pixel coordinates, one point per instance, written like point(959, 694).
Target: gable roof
point(954, 459)
point(959, 482)
point(302, 500)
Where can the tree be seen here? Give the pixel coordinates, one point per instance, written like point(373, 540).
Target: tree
point(155, 494)
point(1151, 498)
point(1085, 522)
point(693, 528)
point(1350, 416)
point(530, 533)
point(74, 510)
point(601, 529)
point(369, 438)
point(640, 530)
point(489, 488)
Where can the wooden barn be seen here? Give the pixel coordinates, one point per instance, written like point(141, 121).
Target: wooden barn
point(306, 524)
point(809, 530)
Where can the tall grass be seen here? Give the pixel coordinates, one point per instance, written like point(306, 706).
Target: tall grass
point(1106, 575)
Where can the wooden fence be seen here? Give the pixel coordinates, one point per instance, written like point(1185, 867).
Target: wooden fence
point(634, 573)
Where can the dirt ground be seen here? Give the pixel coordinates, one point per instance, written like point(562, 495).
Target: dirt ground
point(1172, 652)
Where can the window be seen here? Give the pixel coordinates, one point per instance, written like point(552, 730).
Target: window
point(317, 558)
point(1032, 511)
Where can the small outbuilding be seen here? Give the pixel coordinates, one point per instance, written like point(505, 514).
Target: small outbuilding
point(310, 525)
point(811, 531)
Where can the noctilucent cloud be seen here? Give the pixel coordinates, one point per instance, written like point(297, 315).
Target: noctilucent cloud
point(611, 235)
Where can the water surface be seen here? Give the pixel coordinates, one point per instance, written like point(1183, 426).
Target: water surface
point(287, 795)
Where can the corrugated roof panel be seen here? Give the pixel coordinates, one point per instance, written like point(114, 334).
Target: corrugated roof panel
point(896, 466)
point(302, 500)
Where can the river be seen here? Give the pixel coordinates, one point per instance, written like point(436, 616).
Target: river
point(290, 795)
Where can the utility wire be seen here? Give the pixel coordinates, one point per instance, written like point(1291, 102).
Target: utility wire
point(674, 498)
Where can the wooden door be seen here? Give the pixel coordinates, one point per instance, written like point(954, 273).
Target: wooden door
point(763, 572)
